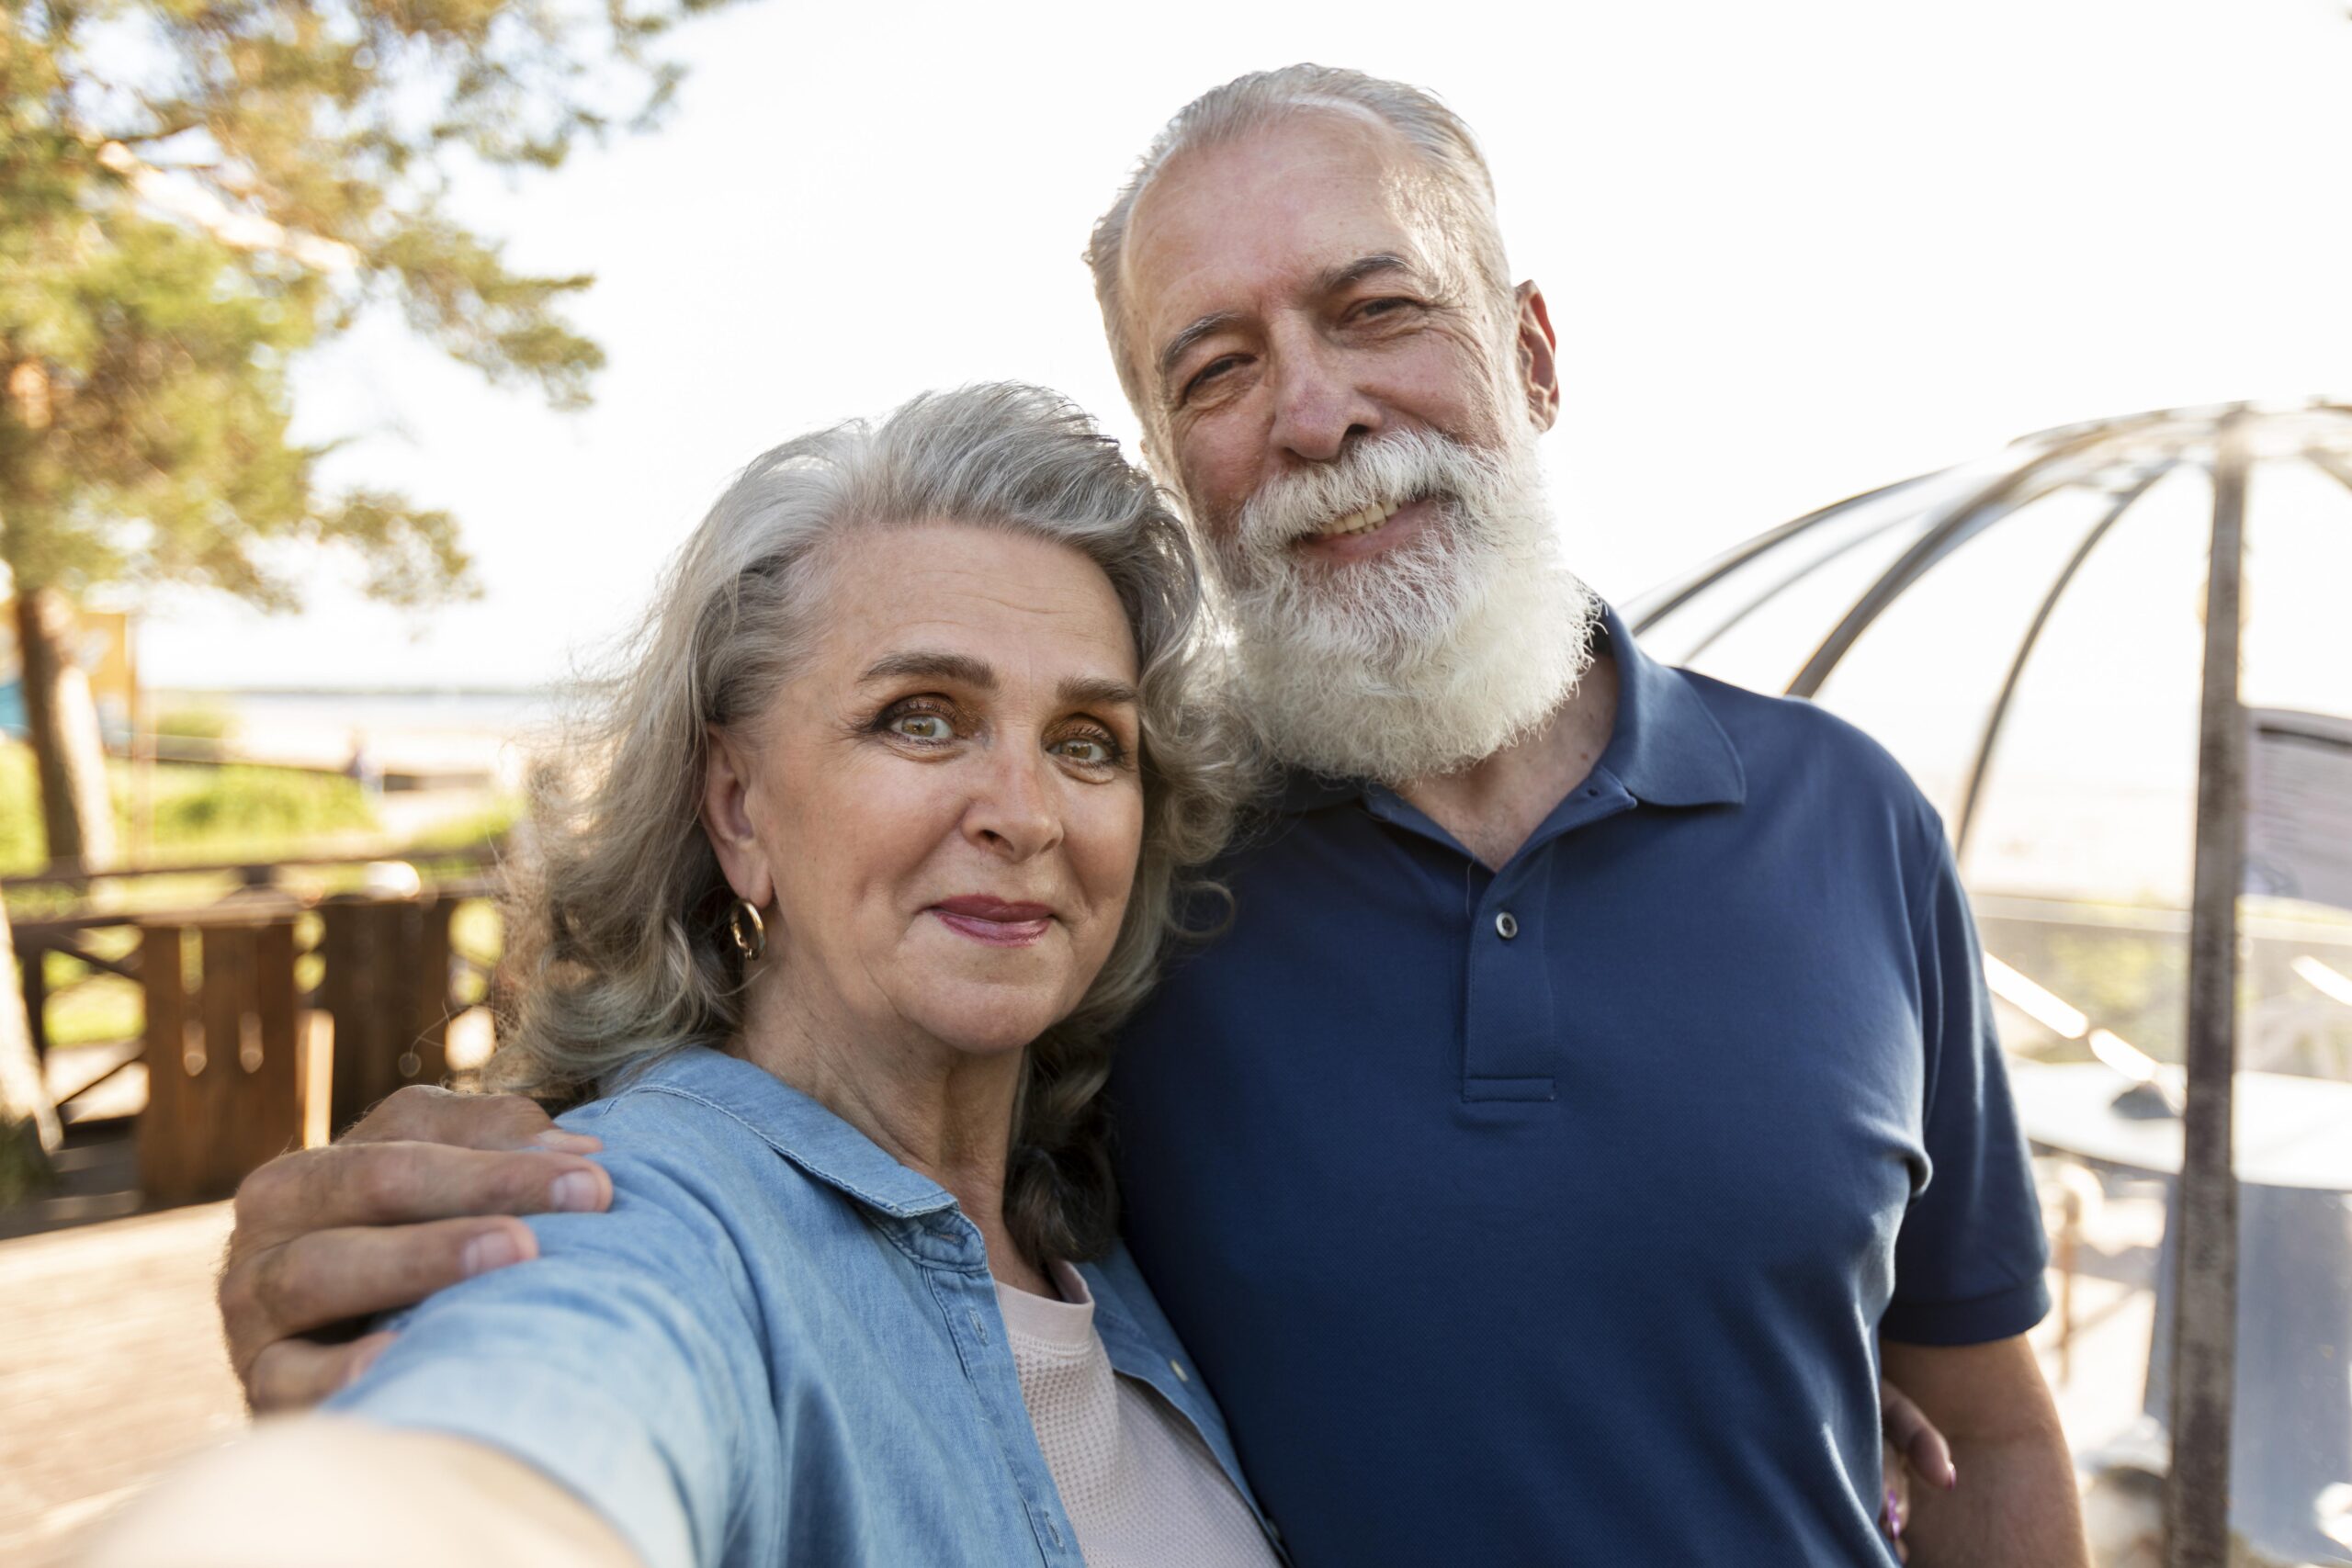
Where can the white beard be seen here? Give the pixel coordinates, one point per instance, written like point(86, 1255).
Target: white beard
point(1425, 658)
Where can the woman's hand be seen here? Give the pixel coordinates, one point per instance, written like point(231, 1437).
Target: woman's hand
point(1914, 1448)
point(419, 1194)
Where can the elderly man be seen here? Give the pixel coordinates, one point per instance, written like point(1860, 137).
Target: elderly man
point(1596, 1086)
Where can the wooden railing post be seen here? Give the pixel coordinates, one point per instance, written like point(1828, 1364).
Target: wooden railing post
point(32, 961)
point(387, 985)
point(224, 1062)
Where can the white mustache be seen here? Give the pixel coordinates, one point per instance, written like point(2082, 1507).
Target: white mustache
point(1377, 475)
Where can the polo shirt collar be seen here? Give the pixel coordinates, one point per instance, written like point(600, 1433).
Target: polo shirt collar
point(1666, 748)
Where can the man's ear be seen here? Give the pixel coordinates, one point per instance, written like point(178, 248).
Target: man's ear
point(727, 788)
point(1539, 366)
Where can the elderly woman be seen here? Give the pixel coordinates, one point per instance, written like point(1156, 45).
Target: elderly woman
point(881, 837)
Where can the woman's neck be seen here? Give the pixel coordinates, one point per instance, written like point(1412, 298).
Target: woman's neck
point(943, 1112)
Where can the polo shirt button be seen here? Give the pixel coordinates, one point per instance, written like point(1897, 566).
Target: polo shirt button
point(1176, 1367)
point(1505, 925)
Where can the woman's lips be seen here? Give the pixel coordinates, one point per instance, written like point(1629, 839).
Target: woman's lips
point(993, 921)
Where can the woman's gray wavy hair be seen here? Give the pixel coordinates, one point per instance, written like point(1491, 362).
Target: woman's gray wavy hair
point(617, 913)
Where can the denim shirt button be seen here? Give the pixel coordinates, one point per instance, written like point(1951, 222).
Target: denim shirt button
point(1177, 1367)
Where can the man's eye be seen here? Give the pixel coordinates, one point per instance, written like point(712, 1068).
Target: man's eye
point(1208, 372)
point(929, 727)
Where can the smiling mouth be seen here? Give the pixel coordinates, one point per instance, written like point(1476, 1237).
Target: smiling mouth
point(1364, 532)
point(994, 922)
point(1363, 520)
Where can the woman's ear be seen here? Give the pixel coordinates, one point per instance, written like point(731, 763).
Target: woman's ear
point(726, 789)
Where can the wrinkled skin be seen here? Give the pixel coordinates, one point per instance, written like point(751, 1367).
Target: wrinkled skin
point(422, 1193)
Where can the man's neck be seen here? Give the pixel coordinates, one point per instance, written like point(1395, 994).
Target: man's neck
point(1492, 806)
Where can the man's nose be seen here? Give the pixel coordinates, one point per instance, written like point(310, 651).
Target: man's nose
point(1318, 403)
point(1015, 810)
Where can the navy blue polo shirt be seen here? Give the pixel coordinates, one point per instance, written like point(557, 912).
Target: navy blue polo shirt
point(1551, 1214)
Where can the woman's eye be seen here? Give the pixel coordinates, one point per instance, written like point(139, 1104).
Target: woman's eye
point(1088, 750)
point(932, 727)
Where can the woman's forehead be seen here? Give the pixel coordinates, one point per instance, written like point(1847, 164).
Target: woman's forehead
point(1011, 599)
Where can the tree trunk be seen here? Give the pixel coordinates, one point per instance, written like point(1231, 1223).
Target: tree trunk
point(63, 724)
point(28, 1127)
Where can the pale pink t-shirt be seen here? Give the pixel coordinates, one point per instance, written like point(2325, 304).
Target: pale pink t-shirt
point(1137, 1481)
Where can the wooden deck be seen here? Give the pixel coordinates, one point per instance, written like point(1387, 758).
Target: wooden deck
point(111, 1368)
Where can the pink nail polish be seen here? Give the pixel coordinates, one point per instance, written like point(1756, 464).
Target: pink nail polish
point(1952, 1475)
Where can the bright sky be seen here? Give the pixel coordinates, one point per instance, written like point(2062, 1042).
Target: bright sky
point(1793, 251)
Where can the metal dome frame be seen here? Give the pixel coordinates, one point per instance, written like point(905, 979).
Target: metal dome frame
point(2126, 457)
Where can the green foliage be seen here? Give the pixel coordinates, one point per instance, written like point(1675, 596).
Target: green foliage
point(192, 192)
point(489, 825)
point(202, 813)
point(85, 1011)
point(220, 813)
point(196, 722)
point(22, 847)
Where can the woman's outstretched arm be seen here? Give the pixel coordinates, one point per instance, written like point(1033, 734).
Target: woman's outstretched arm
point(320, 1489)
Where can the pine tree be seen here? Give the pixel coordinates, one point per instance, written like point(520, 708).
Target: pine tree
point(192, 192)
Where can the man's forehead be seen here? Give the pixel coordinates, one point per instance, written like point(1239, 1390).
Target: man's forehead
point(1223, 228)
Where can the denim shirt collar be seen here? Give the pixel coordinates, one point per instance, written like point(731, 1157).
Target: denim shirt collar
point(804, 1131)
point(1665, 746)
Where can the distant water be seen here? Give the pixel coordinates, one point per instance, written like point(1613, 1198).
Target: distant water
point(470, 731)
point(498, 711)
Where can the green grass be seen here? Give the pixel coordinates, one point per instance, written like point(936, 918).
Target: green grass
point(196, 722)
point(201, 814)
point(20, 839)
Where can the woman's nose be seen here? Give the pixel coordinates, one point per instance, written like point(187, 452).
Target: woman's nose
point(1015, 810)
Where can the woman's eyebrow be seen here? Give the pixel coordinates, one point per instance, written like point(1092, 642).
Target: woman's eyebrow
point(1094, 691)
point(922, 665)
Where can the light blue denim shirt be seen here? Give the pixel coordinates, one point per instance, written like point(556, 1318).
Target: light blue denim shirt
point(780, 1347)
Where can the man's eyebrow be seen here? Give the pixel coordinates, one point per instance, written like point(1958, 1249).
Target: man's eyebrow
point(927, 666)
point(1179, 345)
point(1095, 691)
point(1333, 280)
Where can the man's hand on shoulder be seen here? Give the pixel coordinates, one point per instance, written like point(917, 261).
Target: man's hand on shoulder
point(422, 1193)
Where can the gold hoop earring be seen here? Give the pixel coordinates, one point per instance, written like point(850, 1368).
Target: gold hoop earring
point(753, 942)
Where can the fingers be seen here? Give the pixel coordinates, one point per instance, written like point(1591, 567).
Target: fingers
point(421, 1114)
point(294, 1375)
point(1911, 1434)
point(327, 1235)
point(329, 1277)
point(405, 1183)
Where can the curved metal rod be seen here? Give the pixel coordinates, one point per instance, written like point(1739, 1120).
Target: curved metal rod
point(2331, 464)
point(1789, 581)
point(1960, 525)
point(1673, 597)
point(1991, 736)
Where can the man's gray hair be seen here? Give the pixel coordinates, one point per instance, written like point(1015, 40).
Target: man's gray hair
point(1464, 188)
point(618, 947)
